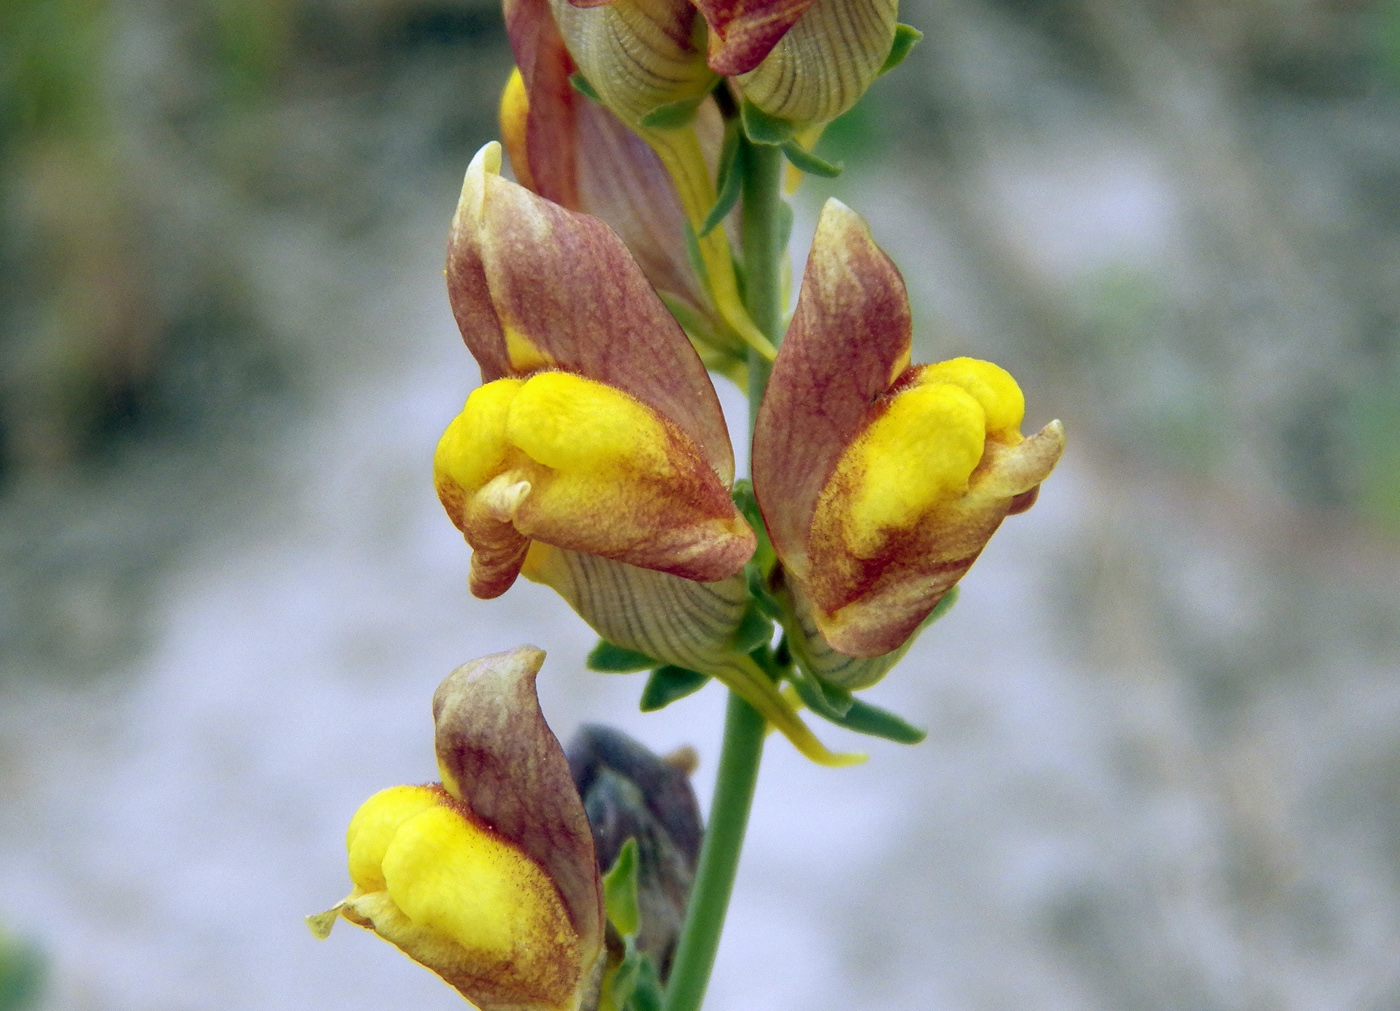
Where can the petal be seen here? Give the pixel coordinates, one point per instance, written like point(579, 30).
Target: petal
point(675, 621)
point(822, 66)
point(490, 879)
point(847, 342)
point(868, 607)
point(637, 54)
point(575, 463)
point(536, 286)
point(745, 31)
point(498, 756)
point(544, 155)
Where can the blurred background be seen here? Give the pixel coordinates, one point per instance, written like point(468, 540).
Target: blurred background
point(1164, 762)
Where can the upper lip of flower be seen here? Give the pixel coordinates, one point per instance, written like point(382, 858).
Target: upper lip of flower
point(489, 879)
point(543, 292)
point(873, 542)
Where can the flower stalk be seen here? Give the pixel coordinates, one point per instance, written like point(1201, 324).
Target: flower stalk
point(762, 214)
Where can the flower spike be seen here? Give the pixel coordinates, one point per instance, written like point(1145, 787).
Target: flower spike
point(597, 429)
point(881, 482)
point(489, 878)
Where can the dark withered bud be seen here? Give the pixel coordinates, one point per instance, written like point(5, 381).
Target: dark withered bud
point(630, 793)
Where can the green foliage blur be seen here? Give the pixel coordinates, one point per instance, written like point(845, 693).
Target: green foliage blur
point(21, 974)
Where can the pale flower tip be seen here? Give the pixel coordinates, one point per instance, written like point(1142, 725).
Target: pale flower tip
point(320, 924)
point(472, 203)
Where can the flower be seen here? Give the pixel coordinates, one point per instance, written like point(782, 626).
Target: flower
point(802, 61)
point(631, 794)
point(644, 58)
point(649, 185)
point(594, 458)
point(880, 481)
point(596, 428)
point(488, 878)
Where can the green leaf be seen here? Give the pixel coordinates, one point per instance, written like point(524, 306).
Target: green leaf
point(753, 577)
point(667, 684)
point(620, 891)
point(755, 630)
point(580, 84)
point(824, 700)
point(22, 972)
point(784, 224)
point(729, 183)
point(646, 987)
point(906, 37)
point(692, 250)
point(672, 115)
point(805, 160)
point(611, 659)
point(864, 718)
point(762, 128)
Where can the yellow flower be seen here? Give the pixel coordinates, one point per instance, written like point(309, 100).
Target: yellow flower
point(880, 482)
point(596, 429)
point(489, 878)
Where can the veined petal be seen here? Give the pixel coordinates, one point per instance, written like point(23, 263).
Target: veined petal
point(879, 482)
point(638, 55)
point(743, 32)
point(675, 621)
point(535, 286)
point(490, 880)
point(848, 340)
point(581, 465)
point(825, 62)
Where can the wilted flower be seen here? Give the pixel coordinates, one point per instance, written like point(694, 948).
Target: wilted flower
point(596, 429)
point(880, 482)
point(629, 793)
point(489, 878)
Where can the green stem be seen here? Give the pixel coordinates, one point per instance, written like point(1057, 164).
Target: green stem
point(744, 727)
point(763, 256)
point(744, 730)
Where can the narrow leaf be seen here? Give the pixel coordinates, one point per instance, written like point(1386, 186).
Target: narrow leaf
point(784, 223)
point(762, 128)
point(864, 718)
point(620, 891)
point(824, 700)
point(672, 115)
point(611, 659)
point(807, 162)
point(692, 251)
point(667, 684)
point(580, 84)
point(906, 37)
point(646, 987)
point(729, 183)
point(755, 630)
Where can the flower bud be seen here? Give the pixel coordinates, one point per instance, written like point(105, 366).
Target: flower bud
point(803, 61)
point(825, 62)
point(640, 56)
point(489, 878)
point(881, 482)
